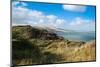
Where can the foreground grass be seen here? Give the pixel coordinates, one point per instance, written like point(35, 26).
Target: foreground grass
point(36, 51)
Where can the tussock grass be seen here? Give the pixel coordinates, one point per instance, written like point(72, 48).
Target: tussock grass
point(35, 46)
point(36, 51)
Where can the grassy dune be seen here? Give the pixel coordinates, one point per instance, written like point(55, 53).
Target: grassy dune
point(80, 51)
point(53, 51)
point(35, 46)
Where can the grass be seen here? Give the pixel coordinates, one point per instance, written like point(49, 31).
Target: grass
point(33, 46)
point(36, 51)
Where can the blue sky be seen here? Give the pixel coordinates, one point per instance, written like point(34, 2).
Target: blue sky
point(73, 17)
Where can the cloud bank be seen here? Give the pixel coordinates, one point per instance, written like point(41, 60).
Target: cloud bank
point(22, 15)
point(74, 8)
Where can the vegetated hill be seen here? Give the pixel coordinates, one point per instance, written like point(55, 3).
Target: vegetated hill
point(33, 32)
point(40, 46)
point(36, 51)
point(68, 50)
point(87, 52)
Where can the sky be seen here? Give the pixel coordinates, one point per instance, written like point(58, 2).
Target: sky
point(65, 16)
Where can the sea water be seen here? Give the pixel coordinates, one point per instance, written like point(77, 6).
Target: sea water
point(78, 36)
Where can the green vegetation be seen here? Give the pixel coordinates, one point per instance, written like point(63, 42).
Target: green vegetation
point(34, 46)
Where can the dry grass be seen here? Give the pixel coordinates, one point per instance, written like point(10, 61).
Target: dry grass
point(84, 52)
point(59, 51)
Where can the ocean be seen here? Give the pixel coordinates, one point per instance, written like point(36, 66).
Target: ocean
point(77, 36)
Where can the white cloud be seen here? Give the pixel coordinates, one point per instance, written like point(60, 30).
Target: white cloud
point(60, 21)
point(74, 8)
point(79, 21)
point(51, 17)
point(41, 21)
point(23, 4)
point(23, 15)
point(17, 3)
point(82, 24)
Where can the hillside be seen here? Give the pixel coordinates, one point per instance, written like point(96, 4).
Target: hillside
point(33, 32)
point(32, 45)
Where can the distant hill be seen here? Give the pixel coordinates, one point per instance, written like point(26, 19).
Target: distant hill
point(53, 29)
